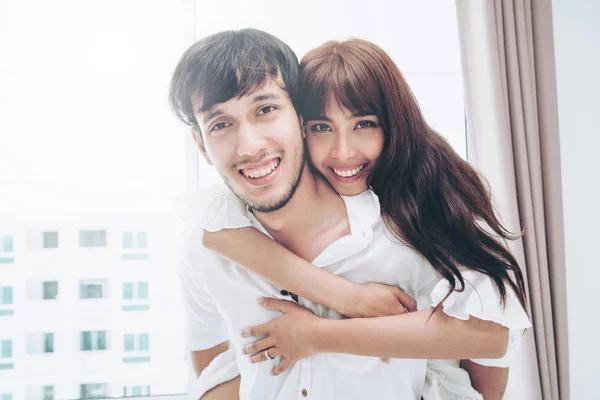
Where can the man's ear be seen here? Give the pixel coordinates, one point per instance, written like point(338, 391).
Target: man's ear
point(200, 143)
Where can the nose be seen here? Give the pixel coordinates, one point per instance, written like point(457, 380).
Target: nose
point(344, 148)
point(250, 141)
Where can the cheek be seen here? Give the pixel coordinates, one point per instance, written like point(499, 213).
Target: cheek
point(318, 150)
point(374, 147)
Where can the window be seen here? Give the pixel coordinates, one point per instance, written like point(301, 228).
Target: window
point(135, 240)
point(6, 396)
point(93, 390)
point(139, 342)
point(135, 290)
point(92, 288)
point(50, 240)
point(136, 391)
point(6, 354)
point(5, 348)
point(93, 340)
point(6, 249)
point(139, 345)
point(48, 392)
point(50, 290)
point(92, 238)
point(6, 295)
point(39, 343)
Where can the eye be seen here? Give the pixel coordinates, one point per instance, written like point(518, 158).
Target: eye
point(366, 124)
point(266, 110)
point(219, 126)
point(320, 127)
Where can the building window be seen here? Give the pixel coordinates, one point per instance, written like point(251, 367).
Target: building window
point(136, 391)
point(92, 289)
point(93, 340)
point(50, 240)
point(6, 295)
point(39, 343)
point(6, 396)
point(135, 240)
point(48, 392)
point(6, 354)
point(50, 290)
point(92, 238)
point(137, 347)
point(135, 291)
point(93, 390)
point(135, 246)
point(6, 249)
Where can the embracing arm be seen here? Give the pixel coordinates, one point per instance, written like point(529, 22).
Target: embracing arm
point(489, 381)
point(415, 335)
point(251, 249)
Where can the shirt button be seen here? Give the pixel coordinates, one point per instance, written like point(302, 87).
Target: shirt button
point(304, 393)
point(284, 293)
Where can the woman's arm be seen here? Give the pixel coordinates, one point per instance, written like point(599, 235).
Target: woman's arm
point(489, 381)
point(298, 333)
point(256, 252)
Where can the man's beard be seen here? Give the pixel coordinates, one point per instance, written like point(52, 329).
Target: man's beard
point(274, 204)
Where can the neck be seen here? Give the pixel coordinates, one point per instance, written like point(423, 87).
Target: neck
point(313, 207)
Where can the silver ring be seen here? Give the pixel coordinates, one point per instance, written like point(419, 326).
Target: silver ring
point(268, 355)
point(406, 309)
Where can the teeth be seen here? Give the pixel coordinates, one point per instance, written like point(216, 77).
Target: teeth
point(259, 173)
point(347, 174)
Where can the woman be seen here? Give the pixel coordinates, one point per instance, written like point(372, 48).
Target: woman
point(363, 130)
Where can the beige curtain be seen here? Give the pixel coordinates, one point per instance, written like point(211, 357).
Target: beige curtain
point(510, 100)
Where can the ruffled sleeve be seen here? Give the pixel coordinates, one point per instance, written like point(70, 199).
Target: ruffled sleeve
point(481, 299)
point(213, 209)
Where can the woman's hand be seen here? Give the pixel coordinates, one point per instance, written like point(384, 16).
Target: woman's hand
point(376, 300)
point(289, 336)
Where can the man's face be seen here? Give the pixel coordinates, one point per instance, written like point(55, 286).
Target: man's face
point(255, 143)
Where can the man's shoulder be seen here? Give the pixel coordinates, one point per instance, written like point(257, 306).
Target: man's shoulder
point(197, 258)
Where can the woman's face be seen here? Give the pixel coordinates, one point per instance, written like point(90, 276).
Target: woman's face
point(344, 147)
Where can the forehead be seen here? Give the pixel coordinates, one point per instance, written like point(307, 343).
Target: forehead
point(272, 90)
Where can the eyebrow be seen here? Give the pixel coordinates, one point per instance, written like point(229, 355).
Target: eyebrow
point(355, 115)
point(216, 112)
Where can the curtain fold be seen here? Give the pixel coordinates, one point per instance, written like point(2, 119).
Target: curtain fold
point(510, 100)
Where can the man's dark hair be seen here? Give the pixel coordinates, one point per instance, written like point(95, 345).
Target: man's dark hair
point(228, 64)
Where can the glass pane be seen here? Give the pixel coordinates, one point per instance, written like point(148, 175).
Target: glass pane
point(144, 343)
point(101, 340)
point(137, 391)
point(50, 290)
point(49, 343)
point(142, 240)
point(48, 392)
point(128, 343)
point(6, 243)
point(50, 240)
point(92, 238)
point(86, 341)
point(128, 291)
point(127, 240)
point(90, 291)
point(7, 295)
point(7, 396)
point(6, 348)
point(143, 290)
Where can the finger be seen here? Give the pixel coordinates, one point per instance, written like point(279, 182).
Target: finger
point(258, 330)
point(283, 365)
point(385, 360)
point(269, 303)
point(262, 356)
point(258, 346)
point(405, 299)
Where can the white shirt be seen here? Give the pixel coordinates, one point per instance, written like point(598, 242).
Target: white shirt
point(221, 298)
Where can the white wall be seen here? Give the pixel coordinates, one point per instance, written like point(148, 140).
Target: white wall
point(577, 49)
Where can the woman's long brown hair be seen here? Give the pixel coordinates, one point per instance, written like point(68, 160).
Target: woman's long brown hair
point(431, 199)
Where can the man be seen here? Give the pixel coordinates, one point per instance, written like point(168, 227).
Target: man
point(237, 91)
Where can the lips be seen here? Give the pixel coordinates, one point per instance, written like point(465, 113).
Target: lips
point(261, 170)
point(347, 173)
